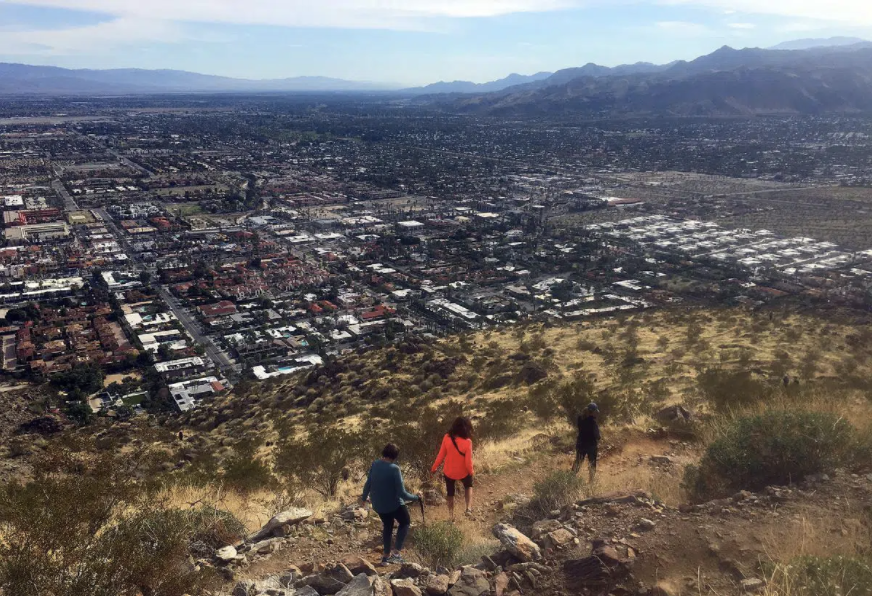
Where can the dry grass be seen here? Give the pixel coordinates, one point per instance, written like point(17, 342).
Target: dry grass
point(493, 456)
point(665, 486)
point(252, 510)
point(816, 534)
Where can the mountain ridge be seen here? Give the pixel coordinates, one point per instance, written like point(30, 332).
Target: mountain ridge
point(727, 82)
point(27, 79)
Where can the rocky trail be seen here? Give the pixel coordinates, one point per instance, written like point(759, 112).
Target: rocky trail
point(627, 543)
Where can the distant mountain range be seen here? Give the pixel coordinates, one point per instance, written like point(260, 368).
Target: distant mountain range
point(808, 44)
point(469, 87)
point(50, 80)
point(727, 82)
point(807, 76)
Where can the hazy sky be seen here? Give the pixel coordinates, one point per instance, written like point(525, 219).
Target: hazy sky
point(403, 41)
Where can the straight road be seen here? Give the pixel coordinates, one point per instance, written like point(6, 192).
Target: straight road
point(69, 203)
point(227, 366)
point(193, 328)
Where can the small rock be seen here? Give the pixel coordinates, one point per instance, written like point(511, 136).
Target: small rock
point(501, 584)
point(558, 539)
point(405, 587)
point(244, 588)
point(358, 565)
point(226, 554)
point(663, 588)
point(645, 525)
point(472, 582)
point(409, 571)
point(289, 517)
point(265, 547)
point(437, 585)
point(869, 477)
point(306, 591)
point(753, 585)
point(544, 527)
point(322, 584)
point(663, 460)
point(515, 542)
point(362, 585)
point(340, 573)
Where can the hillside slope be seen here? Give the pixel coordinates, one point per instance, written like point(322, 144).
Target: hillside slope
point(727, 82)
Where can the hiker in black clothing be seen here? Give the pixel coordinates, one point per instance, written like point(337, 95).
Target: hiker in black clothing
point(587, 443)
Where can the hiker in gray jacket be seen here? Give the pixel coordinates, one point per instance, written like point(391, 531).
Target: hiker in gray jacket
point(384, 487)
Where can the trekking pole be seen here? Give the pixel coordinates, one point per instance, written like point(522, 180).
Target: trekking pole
point(423, 518)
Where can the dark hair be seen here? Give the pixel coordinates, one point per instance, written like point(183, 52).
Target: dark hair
point(462, 428)
point(391, 451)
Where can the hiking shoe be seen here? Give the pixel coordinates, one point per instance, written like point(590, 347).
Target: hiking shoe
point(384, 562)
point(396, 560)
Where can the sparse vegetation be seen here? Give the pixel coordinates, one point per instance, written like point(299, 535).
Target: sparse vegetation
point(774, 448)
point(86, 525)
point(820, 576)
point(556, 491)
point(439, 544)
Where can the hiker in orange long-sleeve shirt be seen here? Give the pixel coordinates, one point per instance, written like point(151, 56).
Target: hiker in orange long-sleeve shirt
point(456, 452)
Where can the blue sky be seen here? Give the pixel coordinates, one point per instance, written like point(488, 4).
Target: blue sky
point(407, 42)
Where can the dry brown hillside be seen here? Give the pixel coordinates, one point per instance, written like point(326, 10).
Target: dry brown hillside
point(740, 374)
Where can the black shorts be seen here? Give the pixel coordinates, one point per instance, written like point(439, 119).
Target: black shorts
point(589, 452)
point(451, 485)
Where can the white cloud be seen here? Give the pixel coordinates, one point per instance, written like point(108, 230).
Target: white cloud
point(101, 36)
point(742, 26)
point(357, 14)
point(855, 12)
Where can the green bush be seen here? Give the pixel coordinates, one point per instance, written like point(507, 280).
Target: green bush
point(502, 419)
point(439, 544)
point(727, 390)
point(245, 471)
point(774, 448)
point(418, 433)
point(556, 491)
point(322, 460)
point(212, 528)
point(817, 576)
point(83, 525)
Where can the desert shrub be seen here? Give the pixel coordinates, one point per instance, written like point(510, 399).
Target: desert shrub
point(502, 419)
point(818, 576)
point(212, 528)
point(322, 460)
point(438, 544)
point(472, 553)
point(556, 491)
point(574, 395)
point(774, 448)
point(245, 471)
point(531, 372)
point(418, 433)
point(541, 400)
point(82, 525)
point(727, 390)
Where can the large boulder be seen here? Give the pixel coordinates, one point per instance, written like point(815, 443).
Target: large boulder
point(363, 585)
point(405, 587)
point(324, 585)
point(358, 565)
point(437, 585)
point(289, 517)
point(340, 573)
point(516, 543)
point(472, 582)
